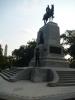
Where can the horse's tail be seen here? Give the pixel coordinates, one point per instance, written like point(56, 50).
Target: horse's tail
point(44, 17)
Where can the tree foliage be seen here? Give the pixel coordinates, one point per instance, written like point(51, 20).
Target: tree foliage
point(71, 50)
point(1, 51)
point(3, 60)
point(24, 54)
point(69, 39)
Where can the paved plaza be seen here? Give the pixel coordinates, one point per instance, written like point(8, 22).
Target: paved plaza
point(25, 90)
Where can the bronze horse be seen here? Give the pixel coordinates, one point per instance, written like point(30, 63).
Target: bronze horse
point(49, 14)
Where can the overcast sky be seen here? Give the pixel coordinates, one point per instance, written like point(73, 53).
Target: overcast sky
point(20, 20)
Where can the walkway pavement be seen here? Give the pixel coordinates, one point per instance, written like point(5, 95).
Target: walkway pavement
point(26, 90)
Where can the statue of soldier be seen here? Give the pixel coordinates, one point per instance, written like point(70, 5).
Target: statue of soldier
point(37, 55)
point(48, 10)
point(49, 14)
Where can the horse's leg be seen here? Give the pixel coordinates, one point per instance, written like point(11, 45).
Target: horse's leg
point(44, 21)
point(49, 19)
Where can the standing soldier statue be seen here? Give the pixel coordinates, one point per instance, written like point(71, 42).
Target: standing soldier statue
point(37, 55)
point(48, 9)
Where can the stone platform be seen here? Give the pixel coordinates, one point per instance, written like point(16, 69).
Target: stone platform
point(52, 76)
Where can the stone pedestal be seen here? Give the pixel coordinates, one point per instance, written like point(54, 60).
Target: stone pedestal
point(48, 42)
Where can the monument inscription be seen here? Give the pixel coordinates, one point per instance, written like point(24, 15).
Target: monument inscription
point(55, 50)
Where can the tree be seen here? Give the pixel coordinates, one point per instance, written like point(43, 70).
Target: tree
point(71, 50)
point(3, 60)
point(1, 57)
point(69, 39)
point(24, 54)
point(1, 50)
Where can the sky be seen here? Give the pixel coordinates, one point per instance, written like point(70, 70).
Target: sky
point(20, 20)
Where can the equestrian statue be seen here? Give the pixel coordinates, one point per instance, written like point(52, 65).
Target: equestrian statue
point(49, 13)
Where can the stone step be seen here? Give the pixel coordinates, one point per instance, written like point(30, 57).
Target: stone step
point(67, 77)
point(10, 75)
point(13, 71)
point(63, 71)
point(8, 72)
point(60, 84)
point(7, 78)
point(3, 75)
point(66, 81)
point(65, 84)
point(66, 73)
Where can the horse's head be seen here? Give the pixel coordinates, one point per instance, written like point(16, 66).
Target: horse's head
point(45, 17)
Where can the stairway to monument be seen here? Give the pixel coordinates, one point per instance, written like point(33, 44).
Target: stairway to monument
point(10, 75)
point(65, 78)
